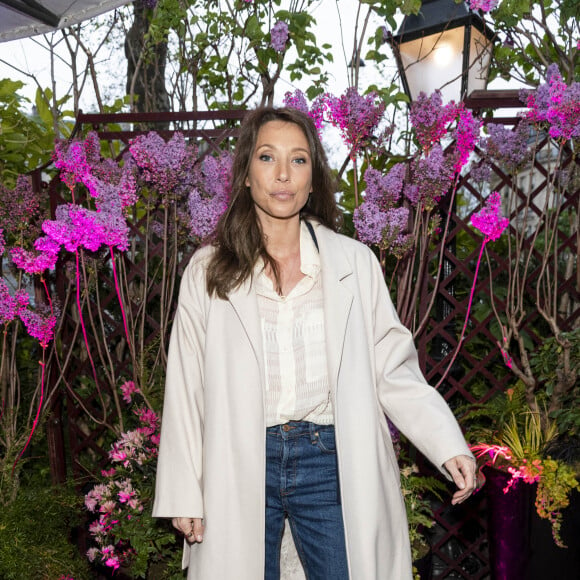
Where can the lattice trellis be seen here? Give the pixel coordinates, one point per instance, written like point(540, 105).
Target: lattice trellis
point(460, 537)
point(459, 540)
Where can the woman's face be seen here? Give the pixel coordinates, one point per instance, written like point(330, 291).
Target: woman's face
point(280, 174)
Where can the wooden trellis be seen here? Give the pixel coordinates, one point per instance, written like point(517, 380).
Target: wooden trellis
point(460, 538)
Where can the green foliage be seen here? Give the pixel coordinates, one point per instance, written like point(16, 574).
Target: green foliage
point(25, 142)
point(35, 535)
point(537, 35)
point(417, 491)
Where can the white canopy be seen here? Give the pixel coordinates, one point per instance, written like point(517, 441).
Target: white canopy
point(22, 18)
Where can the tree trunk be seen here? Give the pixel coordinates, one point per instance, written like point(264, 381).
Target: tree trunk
point(146, 66)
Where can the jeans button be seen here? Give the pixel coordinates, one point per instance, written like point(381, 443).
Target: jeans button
point(286, 428)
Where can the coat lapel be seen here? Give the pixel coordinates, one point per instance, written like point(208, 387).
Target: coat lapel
point(245, 304)
point(337, 297)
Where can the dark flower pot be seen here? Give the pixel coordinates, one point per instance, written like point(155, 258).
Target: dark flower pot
point(508, 528)
point(521, 546)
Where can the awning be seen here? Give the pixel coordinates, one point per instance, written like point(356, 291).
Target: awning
point(22, 18)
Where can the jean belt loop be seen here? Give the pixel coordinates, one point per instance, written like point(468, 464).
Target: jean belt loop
point(312, 427)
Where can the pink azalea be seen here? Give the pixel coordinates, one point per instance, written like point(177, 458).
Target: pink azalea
point(128, 388)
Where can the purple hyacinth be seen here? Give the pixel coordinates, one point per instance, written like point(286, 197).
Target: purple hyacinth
point(279, 36)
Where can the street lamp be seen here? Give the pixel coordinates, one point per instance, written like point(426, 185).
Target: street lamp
point(446, 46)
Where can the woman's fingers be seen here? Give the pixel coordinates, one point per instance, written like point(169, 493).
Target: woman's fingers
point(191, 528)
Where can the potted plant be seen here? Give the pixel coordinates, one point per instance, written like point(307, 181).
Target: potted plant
point(516, 447)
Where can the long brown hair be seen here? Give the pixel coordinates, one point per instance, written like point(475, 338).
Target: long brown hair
point(238, 237)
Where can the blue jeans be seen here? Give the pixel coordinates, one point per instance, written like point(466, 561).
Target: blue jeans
point(302, 484)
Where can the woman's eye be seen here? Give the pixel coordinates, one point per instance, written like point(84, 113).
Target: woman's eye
point(265, 157)
point(300, 160)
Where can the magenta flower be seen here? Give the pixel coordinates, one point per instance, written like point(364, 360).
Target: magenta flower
point(10, 306)
point(279, 36)
point(483, 5)
point(466, 136)
point(2, 242)
point(128, 388)
point(37, 263)
point(430, 118)
point(556, 104)
point(489, 221)
point(356, 116)
point(297, 100)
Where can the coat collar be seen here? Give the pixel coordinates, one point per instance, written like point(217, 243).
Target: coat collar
point(338, 298)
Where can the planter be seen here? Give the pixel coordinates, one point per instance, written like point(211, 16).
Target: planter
point(508, 527)
point(520, 542)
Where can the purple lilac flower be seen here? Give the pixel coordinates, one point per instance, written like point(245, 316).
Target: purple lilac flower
point(384, 229)
point(481, 172)
point(38, 325)
point(370, 222)
point(11, 306)
point(430, 118)
point(564, 114)
point(432, 174)
point(507, 147)
point(384, 190)
point(356, 116)
point(296, 100)
point(555, 103)
point(2, 242)
point(166, 166)
point(279, 36)
point(489, 221)
point(19, 208)
point(483, 5)
point(209, 197)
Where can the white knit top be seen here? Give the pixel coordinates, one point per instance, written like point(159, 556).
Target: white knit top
point(297, 387)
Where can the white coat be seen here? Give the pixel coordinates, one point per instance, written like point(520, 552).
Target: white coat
point(211, 457)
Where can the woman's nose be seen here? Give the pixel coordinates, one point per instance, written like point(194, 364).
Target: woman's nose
point(283, 172)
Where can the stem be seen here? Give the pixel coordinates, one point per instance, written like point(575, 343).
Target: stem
point(458, 347)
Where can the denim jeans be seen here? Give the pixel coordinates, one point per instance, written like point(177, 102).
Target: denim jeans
point(302, 484)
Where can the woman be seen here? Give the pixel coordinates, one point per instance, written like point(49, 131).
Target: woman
point(286, 354)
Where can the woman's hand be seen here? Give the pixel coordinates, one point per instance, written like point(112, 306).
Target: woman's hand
point(462, 470)
point(191, 528)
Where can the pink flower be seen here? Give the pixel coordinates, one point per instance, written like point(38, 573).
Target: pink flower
point(488, 221)
point(128, 388)
point(483, 5)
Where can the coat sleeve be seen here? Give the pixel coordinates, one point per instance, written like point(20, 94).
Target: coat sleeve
point(179, 483)
point(415, 407)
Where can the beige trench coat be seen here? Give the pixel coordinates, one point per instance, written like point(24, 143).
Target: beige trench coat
point(211, 458)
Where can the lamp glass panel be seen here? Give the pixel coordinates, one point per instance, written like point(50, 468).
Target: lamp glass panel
point(479, 60)
point(434, 62)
